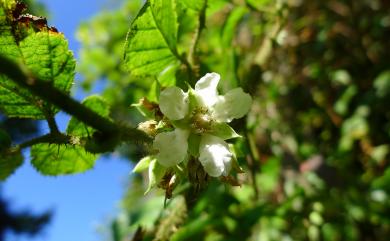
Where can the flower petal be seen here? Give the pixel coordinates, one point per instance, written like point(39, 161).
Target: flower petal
point(174, 103)
point(172, 147)
point(233, 105)
point(206, 89)
point(214, 155)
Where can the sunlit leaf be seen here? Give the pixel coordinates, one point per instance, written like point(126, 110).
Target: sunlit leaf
point(56, 160)
point(43, 52)
point(152, 38)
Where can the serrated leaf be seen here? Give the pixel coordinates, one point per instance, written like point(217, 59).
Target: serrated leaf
point(223, 131)
point(53, 159)
point(151, 41)
point(9, 162)
point(95, 103)
point(45, 54)
point(143, 164)
point(56, 160)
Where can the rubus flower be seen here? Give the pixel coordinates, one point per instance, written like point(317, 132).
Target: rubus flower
point(199, 117)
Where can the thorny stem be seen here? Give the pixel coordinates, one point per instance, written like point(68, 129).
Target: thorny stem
point(53, 138)
point(52, 124)
point(46, 91)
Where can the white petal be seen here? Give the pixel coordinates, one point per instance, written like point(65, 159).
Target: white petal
point(172, 147)
point(174, 103)
point(214, 155)
point(235, 104)
point(206, 89)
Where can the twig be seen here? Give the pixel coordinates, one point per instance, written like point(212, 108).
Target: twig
point(52, 138)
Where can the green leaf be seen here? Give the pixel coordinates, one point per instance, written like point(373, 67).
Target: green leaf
point(9, 161)
point(53, 159)
point(143, 164)
point(223, 131)
point(151, 41)
point(195, 5)
point(5, 140)
point(7, 4)
point(95, 103)
point(56, 160)
point(45, 54)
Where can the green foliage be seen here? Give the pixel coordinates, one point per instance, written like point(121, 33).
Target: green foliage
point(151, 42)
point(44, 52)
point(95, 103)
point(317, 137)
point(314, 149)
point(54, 160)
point(10, 160)
point(61, 159)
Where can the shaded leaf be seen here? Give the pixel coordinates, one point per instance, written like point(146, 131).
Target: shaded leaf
point(10, 160)
point(95, 103)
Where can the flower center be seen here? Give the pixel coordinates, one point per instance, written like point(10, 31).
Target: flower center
point(201, 120)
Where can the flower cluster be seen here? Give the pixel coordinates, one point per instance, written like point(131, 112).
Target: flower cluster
point(199, 117)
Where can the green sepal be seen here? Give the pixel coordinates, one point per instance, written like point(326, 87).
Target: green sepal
point(182, 124)
point(143, 164)
point(223, 130)
point(193, 144)
point(156, 172)
point(235, 164)
point(193, 101)
point(144, 111)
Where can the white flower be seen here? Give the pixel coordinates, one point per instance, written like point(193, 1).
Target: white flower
point(204, 113)
point(172, 147)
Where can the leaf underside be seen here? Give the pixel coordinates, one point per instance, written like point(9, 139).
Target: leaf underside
point(53, 159)
point(151, 41)
point(44, 52)
point(9, 163)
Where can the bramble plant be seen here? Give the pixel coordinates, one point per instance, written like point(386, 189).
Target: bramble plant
point(253, 120)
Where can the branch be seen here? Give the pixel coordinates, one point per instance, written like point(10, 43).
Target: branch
point(46, 91)
point(52, 138)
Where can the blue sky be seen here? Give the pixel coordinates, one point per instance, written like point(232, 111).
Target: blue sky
point(81, 203)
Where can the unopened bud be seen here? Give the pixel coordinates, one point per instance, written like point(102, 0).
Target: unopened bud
point(149, 127)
